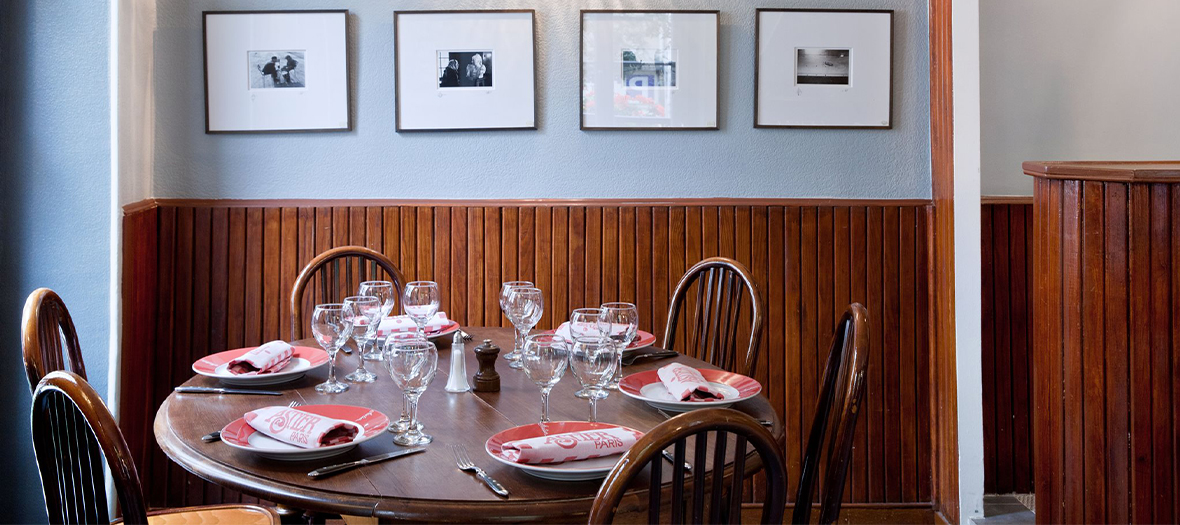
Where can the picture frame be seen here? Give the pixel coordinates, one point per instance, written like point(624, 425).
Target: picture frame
point(840, 74)
point(276, 71)
point(658, 79)
point(465, 70)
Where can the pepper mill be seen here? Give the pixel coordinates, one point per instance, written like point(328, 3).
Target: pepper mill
point(487, 379)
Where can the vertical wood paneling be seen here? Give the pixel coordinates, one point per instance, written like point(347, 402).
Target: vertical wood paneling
point(221, 275)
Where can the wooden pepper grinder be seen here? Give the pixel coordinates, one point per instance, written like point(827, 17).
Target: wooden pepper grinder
point(487, 379)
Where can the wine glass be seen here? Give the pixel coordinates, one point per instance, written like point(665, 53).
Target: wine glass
point(384, 292)
point(366, 315)
point(619, 322)
point(412, 364)
point(504, 290)
point(525, 308)
point(420, 300)
point(544, 360)
point(593, 361)
point(584, 322)
point(402, 423)
point(331, 324)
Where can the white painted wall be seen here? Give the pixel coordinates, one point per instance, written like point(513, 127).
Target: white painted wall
point(1076, 80)
point(965, 31)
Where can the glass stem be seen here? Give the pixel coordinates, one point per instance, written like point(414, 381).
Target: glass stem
point(332, 366)
point(593, 408)
point(405, 407)
point(413, 414)
point(545, 405)
point(519, 341)
point(360, 352)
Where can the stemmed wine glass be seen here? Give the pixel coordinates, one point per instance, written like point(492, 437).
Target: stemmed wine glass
point(366, 315)
point(412, 364)
point(584, 322)
point(544, 360)
point(420, 300)
point(384, 292)
point(525, 308)
point(504, 290)
point(619, 322)
point(331, 324)
point(593, 361)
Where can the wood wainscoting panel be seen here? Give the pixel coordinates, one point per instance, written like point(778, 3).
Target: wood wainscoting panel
point(206, 276)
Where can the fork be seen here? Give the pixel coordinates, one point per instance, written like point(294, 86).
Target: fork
point(466, 336)
point(216, 434)
point(464, 463)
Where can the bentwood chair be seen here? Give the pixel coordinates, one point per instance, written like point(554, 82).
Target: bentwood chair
point(704, 491)
point(713, 323)
point(339, 272)
point(73, 432)
point(48, 337)
point(829, 444)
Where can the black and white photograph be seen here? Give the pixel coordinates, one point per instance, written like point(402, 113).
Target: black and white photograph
point(277, 69)
point(465, 69)
point(822, 66)
point(649, 68)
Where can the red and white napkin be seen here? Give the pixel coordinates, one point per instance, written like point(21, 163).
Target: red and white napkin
point(571, 446)
point(266, 359)
point(299, 428)
point(402, 322)
point(685, 383)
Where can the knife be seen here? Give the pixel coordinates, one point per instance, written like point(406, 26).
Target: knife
point(333, 469)
point(212, 390)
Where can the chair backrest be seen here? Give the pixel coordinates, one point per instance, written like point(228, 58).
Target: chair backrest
point(339, 272)
point(724, 502)
point(829, 444)
point(48, 337)
point(73, 432)
point(713, 323)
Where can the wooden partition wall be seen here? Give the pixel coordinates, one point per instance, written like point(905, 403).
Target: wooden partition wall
point(202, 277)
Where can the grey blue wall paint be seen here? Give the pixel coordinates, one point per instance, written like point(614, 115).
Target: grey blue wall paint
point(55, 221)
point(558, 160)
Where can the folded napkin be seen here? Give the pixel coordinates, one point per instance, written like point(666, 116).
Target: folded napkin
point(571, 446)
point(685, 383)
point(266, 359)
point(565, 330)
point(299, 428)
point(403, 322)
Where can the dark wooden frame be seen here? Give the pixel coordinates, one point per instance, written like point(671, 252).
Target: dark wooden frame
point(347, 68)
point(377, 262)
point(725, 502)
point(727, 346)
point(581, 68)
point(757, 59)
point(397, 94)
point(47, 332)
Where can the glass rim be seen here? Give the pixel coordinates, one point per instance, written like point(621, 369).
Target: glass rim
point(376, 283)
point(617, 305)
point(422, 283)
point(410, 342)
point(586, 310)
point(518, 284)
point(330, 306)
point(599, 339)
point(358, 298)
point(553, 337)
point(528, 289)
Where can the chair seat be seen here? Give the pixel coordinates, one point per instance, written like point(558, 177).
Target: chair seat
point(214, 514)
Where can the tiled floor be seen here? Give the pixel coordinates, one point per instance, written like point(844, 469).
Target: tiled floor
point(1006, 509)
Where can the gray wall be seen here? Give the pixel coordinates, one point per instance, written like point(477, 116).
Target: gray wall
point(558, 160)
point(55, 167)
point(1076, 80)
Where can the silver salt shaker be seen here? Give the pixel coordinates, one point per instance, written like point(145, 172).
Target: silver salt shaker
point(457, 382)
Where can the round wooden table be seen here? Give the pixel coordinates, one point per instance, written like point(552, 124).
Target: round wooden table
point(425, 486)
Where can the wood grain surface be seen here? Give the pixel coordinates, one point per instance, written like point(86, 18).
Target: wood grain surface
point(809, 258)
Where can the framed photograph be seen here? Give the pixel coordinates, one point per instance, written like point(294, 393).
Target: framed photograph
point(820, 68)
point(650, 70)
point(465, 70)
point(274, 71)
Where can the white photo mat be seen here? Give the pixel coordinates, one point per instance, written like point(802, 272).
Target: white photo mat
point(509, 102)
point(234, 101)
point(611, 100)
point(863, 100)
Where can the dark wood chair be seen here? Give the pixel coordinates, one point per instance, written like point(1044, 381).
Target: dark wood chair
point(339, 272)
point(73, 432)
point(724, 503)
point(713, 322)
point(48, 337)
point(829, 444)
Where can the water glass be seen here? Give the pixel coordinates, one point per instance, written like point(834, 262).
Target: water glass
point(525, 308)
point(412, 364)
point(544, 359)
point(384, 292)
point(420, 300)
point(504, 291)
point(366, 315)
point(331, 325)
point(584, 322)
point(619, 322)
point(593, 361)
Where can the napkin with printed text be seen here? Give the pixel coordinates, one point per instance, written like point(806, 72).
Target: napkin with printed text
point(571, 446)
point(686, 383)
point(299, 428)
